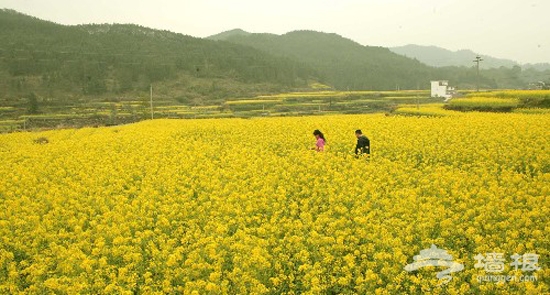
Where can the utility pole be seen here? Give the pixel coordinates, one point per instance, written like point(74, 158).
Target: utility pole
point(151, 95)
point(477, 61)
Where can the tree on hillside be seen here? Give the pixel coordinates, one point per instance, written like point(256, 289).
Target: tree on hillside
point(33, 103)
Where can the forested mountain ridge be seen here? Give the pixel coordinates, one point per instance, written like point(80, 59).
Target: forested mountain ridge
point(346, 64)
point(228, 34)
point(51, 59)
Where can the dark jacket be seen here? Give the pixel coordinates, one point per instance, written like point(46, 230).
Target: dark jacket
point(363, 145)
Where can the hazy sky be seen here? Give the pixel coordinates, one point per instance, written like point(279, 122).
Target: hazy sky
point(513, 29)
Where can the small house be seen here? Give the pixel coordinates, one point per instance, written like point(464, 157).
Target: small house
point(442, 89)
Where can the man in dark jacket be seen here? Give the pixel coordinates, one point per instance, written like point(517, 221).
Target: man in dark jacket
point(363, 143)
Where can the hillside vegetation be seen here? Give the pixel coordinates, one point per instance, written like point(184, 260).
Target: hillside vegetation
point(343, 62)
point(94, 60)
point(347, 64)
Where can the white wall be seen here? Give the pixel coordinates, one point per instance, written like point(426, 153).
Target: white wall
point(439, 89)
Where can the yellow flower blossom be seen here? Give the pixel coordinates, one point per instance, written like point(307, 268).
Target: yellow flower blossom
point(234, 206)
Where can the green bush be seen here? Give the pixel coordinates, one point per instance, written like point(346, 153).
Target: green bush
point(482, 104)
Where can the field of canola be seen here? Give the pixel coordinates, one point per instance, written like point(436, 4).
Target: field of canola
point(234, 206)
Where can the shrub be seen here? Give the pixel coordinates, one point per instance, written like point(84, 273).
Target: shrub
point(482, 104)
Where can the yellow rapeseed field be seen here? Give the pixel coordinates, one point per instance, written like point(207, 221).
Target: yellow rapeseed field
point(235, 206)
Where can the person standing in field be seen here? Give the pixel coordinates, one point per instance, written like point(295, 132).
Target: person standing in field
point(321, 141)
point(363, 143)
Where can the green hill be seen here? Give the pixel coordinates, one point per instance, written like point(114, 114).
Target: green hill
point(343, 63)
point(54, 60)
point(228, 34)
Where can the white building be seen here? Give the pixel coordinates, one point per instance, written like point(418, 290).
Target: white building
point(442, 89)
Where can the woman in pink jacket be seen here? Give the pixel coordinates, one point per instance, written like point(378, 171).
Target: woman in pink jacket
point(321, 141)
